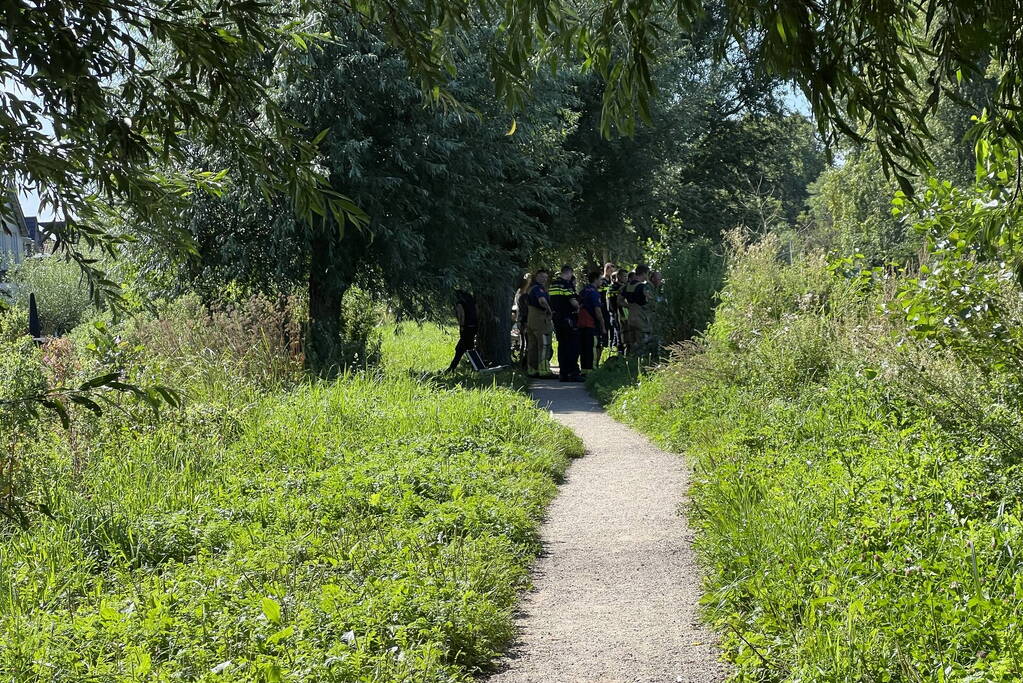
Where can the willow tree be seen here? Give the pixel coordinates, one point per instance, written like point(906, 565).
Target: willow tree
point(455, 198)
point(132, 87)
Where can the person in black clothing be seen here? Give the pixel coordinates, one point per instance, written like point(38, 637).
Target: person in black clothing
point(468, 321)
point(592, 325)
point(565, 305)
point(615, 306)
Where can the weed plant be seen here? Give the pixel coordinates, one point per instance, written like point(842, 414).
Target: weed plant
point(856, 490)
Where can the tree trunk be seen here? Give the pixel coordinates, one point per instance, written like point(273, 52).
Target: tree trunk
point(495, 322)
point(326, 290)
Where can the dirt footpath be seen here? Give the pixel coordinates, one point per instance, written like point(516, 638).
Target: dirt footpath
point(616, 590)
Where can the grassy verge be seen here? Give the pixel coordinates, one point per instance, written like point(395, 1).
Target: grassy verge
point(423, 351)
point(373, 528)
point(857, 501)
point(613, 376)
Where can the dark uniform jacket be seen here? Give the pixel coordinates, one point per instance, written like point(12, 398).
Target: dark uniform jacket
point(562, 293)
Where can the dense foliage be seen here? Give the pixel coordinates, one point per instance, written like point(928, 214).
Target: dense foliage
point(107, 102)
point(60, 289)
point(454, 197)
point(853, 433)
point(851, 394)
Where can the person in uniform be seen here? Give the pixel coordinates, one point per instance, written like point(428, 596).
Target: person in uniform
point(616, 310)
point(604, 287)
point(565, 305)
point(639, 304)
point(592, 323)
point(539, 325)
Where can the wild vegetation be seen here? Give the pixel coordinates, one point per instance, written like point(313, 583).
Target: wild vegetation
point(233, 454)
point(374, 527)
point(853, 433)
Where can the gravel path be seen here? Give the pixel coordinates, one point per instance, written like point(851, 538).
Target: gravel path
point(616, 589)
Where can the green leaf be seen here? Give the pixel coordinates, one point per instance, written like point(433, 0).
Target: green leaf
point(60, 409)
point(272, 610)
point(780, 25)
point(86, 402)
point(100, 381)
point(284, 633)
point(321, 136)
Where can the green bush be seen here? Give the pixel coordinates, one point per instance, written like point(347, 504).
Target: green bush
point(62, 294)
point(254, 338)
point(21, 375)
point(361, 316)
point(856, 497)
point(693, 270)
point(257, 339)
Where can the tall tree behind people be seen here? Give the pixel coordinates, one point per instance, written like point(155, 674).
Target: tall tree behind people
point(452, 197)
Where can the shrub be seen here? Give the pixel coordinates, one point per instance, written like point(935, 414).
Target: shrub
point(62, 295)
point(257, 339)
point(360, 319)
point(693, 271)
point(21, 377)
point(21, 373)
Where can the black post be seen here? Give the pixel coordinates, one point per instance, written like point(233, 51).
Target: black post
point(35, 327)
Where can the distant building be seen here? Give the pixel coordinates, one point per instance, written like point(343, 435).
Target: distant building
point(15, 240)
point(45, 237)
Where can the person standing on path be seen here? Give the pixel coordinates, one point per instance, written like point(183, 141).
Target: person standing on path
point(639, 299)
point(522, 312)
point(565, 304)
point(539, 325)
point(614, 306)
point(604, 287)
point(468, 323)
point(592, 323)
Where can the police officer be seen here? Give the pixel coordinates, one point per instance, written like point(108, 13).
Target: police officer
point(605, 340)
point(616, 306)
point(565, 305)
point(592, 323)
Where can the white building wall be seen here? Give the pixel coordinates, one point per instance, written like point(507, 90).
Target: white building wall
point(13, 238)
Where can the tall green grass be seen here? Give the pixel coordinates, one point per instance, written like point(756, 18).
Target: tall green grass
point(857, 505)
point(377, 527)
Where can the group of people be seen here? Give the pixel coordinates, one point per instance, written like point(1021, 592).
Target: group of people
point(613, 310)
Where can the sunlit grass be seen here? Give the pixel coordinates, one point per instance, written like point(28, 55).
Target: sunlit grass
point(373, 528)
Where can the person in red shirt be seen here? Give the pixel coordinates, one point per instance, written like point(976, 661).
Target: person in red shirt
point(592, 326)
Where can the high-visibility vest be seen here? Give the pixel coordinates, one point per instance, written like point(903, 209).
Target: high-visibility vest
point(636, 313)
point(560, 292)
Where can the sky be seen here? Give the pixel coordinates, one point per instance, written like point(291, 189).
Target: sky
point(30, 206)
point(30, 201)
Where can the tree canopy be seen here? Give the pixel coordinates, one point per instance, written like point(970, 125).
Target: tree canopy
point(131, 86)
point(158, 107)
